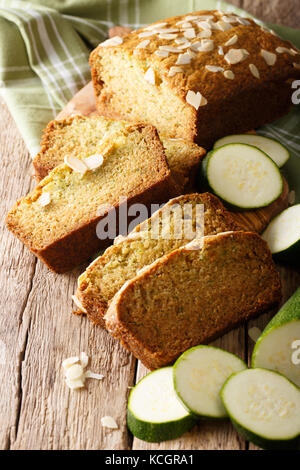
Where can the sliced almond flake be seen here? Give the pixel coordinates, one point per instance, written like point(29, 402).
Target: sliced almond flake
point(74, 384)
point(84, 359)
point(44, 199)
point(254, 70)
point(143, 44)
point(74, 372)
point(189, 33)
point(234, 56)
point(181, 40)
point(75, 164)
point(78, 303)
point(146, 34)
point(282, 50)
point(186, 24)
point(183, 59)
point(220, 50)
point(155, 26)
point(167, 36)
point(229, 74)
point(92, 375)
point(206, 45)
point(294, 52)
point(254, 333)
point(231, 41)
point(243, 21)
point(223, 26)
point(206, 33)
point(94, 161)
point(296, 66)
point(162, 53)
point(185, 45)
point(109, 422)
point(191, 53)
point(229, 19)
point(195, 99)
point(150, 76)
point(69, 361)
point(166, 30)
point(205, 17)
point(204, 25)
point(269, 57)
point(170, 49)
point(214, 68)
point(196, 244)
point(174, 70)
point(115, 41)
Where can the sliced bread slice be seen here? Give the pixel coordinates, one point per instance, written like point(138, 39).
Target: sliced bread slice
point(193, 295)
point(81, 136)
point(58, 220)
point(150, 240)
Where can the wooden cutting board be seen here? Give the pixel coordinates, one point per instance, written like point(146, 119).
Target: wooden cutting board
point(256, 220)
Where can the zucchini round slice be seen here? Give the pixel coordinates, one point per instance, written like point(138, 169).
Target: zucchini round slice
point(199, 374)
point(283, 235)
point(271, 147)
point(154, 412)
point(264, 407)
point(276, 347)
point(243, 176)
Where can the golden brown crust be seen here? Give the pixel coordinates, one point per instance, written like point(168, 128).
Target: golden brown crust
point(216, 219)
point(77, 246)
point(232, 105)
point(224, 305)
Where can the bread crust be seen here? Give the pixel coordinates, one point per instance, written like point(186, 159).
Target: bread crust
point(77, 246)
point(117, 316)
point(233, 106)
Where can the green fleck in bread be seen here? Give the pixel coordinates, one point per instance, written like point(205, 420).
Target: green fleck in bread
point(120, 262)
point(58, 220)
point(191, 296)
point(81, 136)
point(200, 76)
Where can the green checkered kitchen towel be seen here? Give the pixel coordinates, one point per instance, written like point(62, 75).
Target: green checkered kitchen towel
point(45, 46)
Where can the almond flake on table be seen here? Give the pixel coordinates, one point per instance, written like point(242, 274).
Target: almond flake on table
point(115, 41)
point(195, 99)
point(109, 422)
point(206, 45)
point(150, 76)
point(231, 41)
point(234, 56)
point(229, 74)
point(162, 53)
point(214, 68)
point(74, 372)
point(94, 161)
point(269, 57)
point(78, 303)
point(174, 70)
point(189, 33)
point(254, 70)
point(75, 164)
point(183, 59)
point(254, 333)
point(92, 375)
point(69, 362)
point(143, 44)
point(44, 199)
point(75, 384)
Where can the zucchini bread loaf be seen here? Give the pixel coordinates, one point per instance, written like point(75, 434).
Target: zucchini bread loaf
point(153, 238)
point(81, 136)
point(58, 220)
point(198, 76)
point(193, 295)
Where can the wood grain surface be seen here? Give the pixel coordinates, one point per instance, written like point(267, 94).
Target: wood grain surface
point(38, 331)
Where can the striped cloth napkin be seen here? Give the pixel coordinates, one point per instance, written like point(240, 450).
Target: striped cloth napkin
point(45, 51)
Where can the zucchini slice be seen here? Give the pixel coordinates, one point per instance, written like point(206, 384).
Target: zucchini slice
point(271, 147)
point(264, 407)
point(199, 374)
point(283, 235)
point(154, 412)
point(276, 347)
point(243, 176)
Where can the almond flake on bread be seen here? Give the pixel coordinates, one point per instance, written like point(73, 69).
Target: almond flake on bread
point(44, 199)
point(269, 57)
point(195, 99)
point(254, 70)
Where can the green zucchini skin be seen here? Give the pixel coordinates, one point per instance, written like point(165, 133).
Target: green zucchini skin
point(261, 441)
point(159, 432)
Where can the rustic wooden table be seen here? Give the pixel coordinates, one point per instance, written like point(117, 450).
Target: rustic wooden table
point(37, 331)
